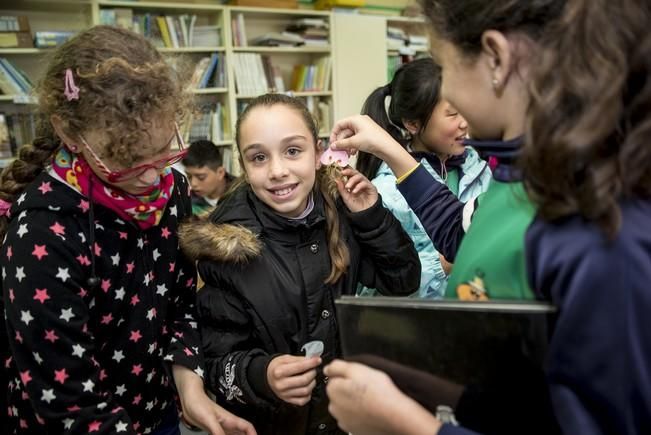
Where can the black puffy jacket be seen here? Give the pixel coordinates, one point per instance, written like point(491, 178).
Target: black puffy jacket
point(265, 295)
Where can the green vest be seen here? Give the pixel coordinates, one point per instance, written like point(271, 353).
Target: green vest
point(490, 263)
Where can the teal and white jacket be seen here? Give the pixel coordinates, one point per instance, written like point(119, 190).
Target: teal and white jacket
point(471, 178)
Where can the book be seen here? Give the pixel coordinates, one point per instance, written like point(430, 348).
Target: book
point(45, 39)
point(479, 358)
point(14, 23)
point(16, 40)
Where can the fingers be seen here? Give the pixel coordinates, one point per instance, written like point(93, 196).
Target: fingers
point(296, 382)
point(357, 183)
point(294, 365)
point(337, 368)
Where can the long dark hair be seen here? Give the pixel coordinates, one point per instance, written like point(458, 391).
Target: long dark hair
point(589, 128)
point(339, 257)
point(414, 91)
point(123, 80)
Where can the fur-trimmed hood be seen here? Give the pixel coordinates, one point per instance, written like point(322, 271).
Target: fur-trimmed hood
point(203, 239)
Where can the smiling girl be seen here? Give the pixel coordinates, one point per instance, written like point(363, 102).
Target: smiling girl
point(274, 255)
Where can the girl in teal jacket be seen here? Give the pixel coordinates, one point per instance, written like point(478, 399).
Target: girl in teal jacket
point(411, 110)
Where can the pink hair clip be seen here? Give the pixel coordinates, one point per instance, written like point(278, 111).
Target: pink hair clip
point(71, 91)
point(5, 206)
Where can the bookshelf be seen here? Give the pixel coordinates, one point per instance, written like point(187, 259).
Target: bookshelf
point(406, 40)
point(319, 85)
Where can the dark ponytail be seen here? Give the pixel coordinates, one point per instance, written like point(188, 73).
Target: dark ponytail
point(414, 91)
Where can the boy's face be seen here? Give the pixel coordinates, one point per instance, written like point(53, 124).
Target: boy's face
point(206, 182)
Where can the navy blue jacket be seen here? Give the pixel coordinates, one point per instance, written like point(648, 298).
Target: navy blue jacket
point(599, 370)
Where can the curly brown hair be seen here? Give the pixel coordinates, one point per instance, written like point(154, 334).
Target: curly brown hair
point(325, 183)
point(589, 129)
point(125, 85)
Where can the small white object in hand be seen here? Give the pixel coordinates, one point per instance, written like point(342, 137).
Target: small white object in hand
point(312, 348)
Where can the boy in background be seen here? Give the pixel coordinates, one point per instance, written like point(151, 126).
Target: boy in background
point(207, 175)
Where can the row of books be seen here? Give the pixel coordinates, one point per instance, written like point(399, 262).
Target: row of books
point(209, 72)
point(314, 77)
point(209, 123)
point(13, 81)
point(16, 129)
point(14, 23)
point(169, 31)
point(255, 74)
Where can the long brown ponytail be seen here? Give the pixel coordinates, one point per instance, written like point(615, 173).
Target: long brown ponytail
point(339, 257)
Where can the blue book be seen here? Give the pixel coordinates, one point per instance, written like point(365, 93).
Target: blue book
point(17, 75)
point(205, 79)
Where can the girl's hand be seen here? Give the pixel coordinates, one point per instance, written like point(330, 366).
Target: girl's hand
point(201, 411)
point(360, 132)
point(292, 378)
point(365, 401)
point(358, 193)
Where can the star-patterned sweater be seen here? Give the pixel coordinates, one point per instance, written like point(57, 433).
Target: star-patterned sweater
point(94, 360)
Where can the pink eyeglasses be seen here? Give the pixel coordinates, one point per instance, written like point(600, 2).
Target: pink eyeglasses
point(129, 173)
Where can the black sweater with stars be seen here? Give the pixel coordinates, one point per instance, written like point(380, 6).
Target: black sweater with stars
point(94, 360)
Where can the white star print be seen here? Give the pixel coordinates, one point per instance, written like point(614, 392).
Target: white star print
point(150, 314)
point(118, 355)
point(26, 317)
point(119, 293)
point(63, 274)
point(99, 226)
point(120, 390)
point(141, 243)
point(20, 274)
point(147, 279)
point(48, 395)
point(37, 357)
point(156, 254)
point(101, 405)
point(173, 211)
point(22, 230)
point(119, 221)
point(120, 426)
point(66, 314)
point(161, 289)
point(115, 259)
point(152, 348)
point(22, 215)
point(150, 406)
point(21, 198)
point(4, 273)
point(199, 371)
point(67, 423)
point(168, 357)
point(82, 237)
point(88, 385)
point(78, 350)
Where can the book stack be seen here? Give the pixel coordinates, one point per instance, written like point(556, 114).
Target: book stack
point(209, 72)
point(21, 130)
point(7, 147)
point(396, 38)
point(14, 32)
point(313, 31)
point(321, 110)
point(13, 81)
point(314, 78)
point(49, 39)
point(255, 74)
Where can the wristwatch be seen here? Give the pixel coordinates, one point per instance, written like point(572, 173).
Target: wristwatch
point(445, 414)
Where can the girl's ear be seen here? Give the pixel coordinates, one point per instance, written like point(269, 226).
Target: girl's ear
point(498, 50)
point(317, 154)
point(60, 126)
point(413, 127)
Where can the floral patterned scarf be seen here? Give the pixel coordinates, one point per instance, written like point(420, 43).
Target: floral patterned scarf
point(144, 210)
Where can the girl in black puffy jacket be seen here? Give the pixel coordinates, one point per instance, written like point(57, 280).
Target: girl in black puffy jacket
point(274, 255)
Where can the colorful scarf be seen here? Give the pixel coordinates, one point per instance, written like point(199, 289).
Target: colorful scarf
point(144, 210)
